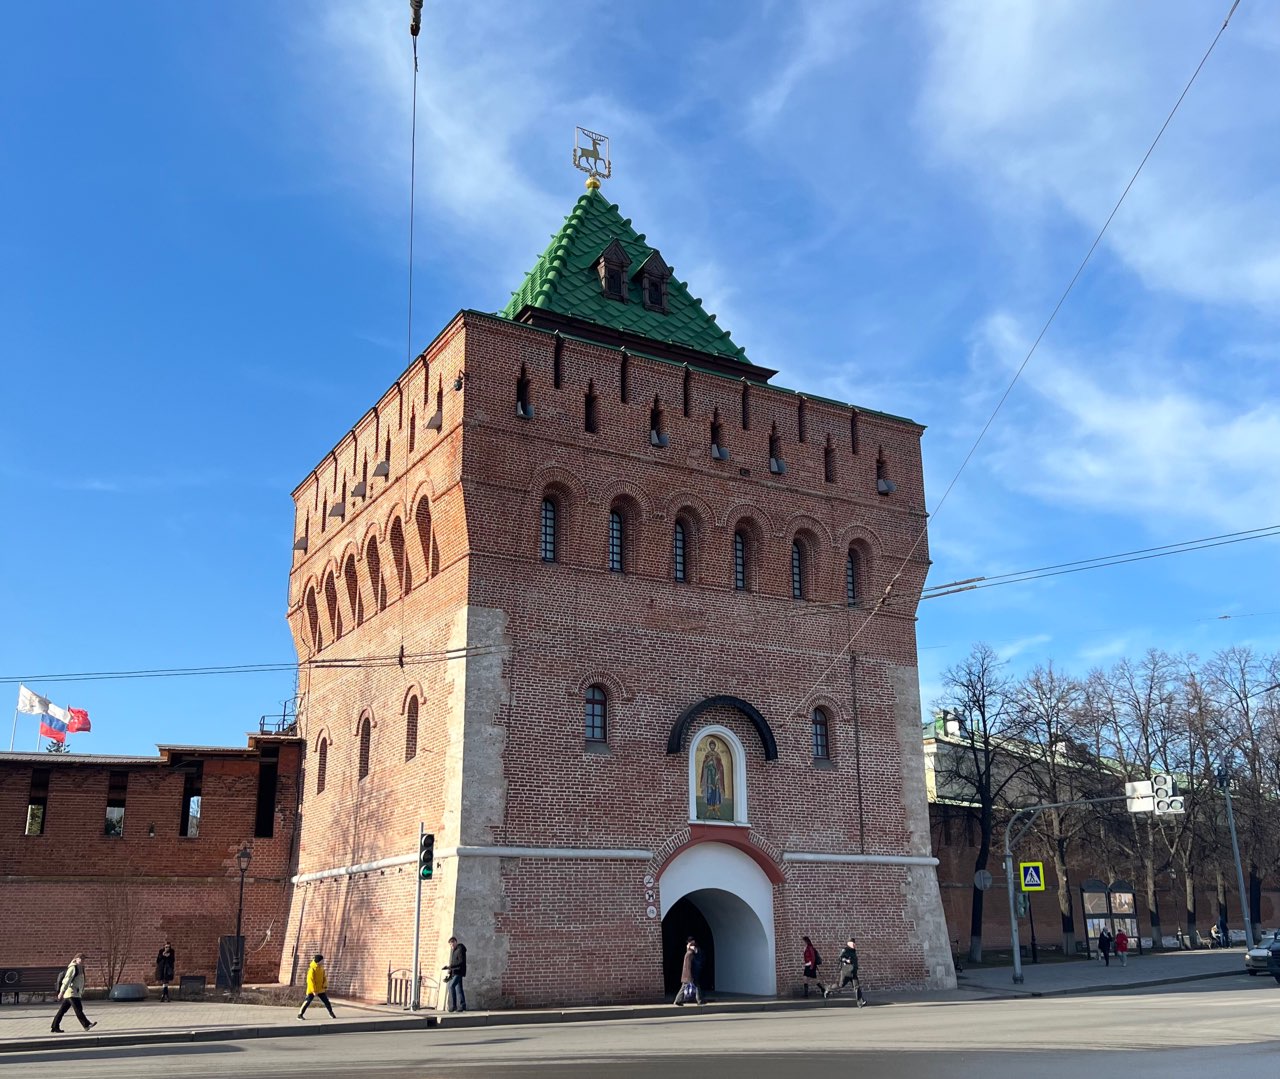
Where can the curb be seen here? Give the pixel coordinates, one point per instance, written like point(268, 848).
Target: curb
point(1012, 993)
point(212, 1034)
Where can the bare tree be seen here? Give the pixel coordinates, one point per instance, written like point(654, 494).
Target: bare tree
point(1059, 770)
point(980, 760)
point(117, 916)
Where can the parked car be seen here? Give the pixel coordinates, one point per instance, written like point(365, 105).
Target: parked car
point(1255, 959)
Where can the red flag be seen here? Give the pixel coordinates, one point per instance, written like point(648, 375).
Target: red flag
point(52, 729)
point(79, 721)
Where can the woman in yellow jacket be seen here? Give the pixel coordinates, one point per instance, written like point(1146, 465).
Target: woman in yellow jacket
point(317, 983)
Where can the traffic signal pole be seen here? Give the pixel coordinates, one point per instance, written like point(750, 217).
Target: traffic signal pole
point(415, 997)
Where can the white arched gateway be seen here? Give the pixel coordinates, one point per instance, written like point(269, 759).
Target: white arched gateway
point(732, 896)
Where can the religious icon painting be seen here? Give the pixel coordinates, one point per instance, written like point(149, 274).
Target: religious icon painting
point(713, 770)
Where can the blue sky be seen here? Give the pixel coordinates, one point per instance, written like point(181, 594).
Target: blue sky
point(203, 287)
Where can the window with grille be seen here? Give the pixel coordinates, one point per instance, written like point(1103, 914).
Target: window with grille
point(322, 764)
point(615, 541)
point(821, 736)
point(596, 715)
point(851, 579)
point(678, 552)
point(739, 562)
point(797, 570)
point(548, 530)
point(411, 730)
point(366, 737)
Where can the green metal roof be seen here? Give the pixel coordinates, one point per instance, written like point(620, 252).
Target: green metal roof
point(563, 281)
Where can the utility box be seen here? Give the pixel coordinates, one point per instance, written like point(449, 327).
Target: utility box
point(191, 987)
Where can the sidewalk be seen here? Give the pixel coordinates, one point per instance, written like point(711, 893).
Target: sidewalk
point(26, 1027)
point(1091, 976)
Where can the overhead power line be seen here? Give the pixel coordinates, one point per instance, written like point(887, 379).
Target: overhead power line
point(969, 584)
point(885, 597)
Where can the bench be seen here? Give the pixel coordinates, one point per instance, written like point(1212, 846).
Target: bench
point(31, 981)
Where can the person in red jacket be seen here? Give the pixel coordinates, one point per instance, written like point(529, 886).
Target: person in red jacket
point(812, 961)
point(1122, 947)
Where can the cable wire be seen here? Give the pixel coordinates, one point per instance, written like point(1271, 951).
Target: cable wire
point(884, 598)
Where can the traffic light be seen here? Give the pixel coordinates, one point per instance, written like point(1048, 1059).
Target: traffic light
point(1166, 796)
point(426, 855)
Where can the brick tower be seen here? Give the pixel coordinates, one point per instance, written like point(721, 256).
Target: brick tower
point(575, 592)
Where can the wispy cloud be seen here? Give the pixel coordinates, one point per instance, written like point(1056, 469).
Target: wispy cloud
point(1010, 649)
point(1046, 106)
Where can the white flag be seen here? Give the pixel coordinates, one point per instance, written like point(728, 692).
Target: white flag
point(32, 703)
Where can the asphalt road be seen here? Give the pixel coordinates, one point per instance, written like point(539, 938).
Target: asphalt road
point(1221, 1028)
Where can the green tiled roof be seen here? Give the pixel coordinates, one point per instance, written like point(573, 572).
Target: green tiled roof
point(563, 281)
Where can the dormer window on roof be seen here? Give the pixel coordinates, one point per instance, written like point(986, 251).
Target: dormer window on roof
point(653, 276)
point(612, 268)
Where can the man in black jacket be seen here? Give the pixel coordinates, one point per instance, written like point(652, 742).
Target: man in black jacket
point(456, 1001)
point(849, 971)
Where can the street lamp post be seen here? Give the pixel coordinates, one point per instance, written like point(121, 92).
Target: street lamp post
point(1224, 781)
point(237, 961)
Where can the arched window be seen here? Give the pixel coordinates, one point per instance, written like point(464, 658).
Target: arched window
point(821, 736)
point(797, 570)
point(356, 604)
point(373, 566)
point(411, 729)
point(400, 557)
point(678, 552)
point(313, 620)
point(740, 561)
point(851, 572)
point(322, 764)
point(366, 737)
point(547, 540)
point(333, 609)
point(422, 523)
point(596, 715)
point(617, 539)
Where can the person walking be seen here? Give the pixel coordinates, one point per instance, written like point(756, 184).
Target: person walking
point(849, 972)
point(812, 961)
point(1105, 940)
point(690, 974)
point(70, 990)
point(165, 962)
point(317, 986)
point(1122, 947)
point(456, 1000)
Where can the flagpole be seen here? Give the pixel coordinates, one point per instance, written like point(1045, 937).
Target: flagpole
point(14, 733)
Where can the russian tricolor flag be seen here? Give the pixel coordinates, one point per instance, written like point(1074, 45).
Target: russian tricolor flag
point(55, 722)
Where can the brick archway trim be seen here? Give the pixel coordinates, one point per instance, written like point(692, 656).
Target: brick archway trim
point(675, 740)
point(739, 838)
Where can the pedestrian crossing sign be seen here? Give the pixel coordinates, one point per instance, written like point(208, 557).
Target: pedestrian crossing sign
point(1032, 874)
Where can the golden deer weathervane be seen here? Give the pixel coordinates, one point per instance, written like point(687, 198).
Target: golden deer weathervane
point(593, 159)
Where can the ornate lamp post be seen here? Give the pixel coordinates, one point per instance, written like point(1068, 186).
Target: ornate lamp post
point(237, 965)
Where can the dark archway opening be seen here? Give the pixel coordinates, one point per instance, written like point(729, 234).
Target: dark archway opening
point(685, 920)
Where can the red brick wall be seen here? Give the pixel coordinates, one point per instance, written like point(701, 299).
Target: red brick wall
point(57, 885)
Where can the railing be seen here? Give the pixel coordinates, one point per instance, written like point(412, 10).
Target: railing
point(400, 988)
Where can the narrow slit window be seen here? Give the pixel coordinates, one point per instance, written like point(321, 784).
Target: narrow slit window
point(829, 463)
point(797, 570)
point(411, 729)
point(596, 715)
point(800, 421)
point(264, 825)
point(684, 404)
point(746, 408)
point(616, 537)
point(117, 789)
point(739, 562)
point(524, 409)
point(548, 538)
point(590, 417)
point(821, 736)
point(851, 596)
point(192, 781)
point(322, 764)
point(678, 552)
point(366, 740)
point(38, 801)
point(624, 373)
